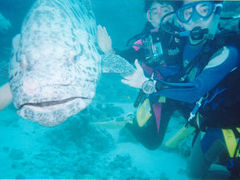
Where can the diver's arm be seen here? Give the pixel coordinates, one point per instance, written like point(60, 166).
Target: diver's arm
point(5, 96)
point(130, 54)
point(105, 45)
point(208, 79)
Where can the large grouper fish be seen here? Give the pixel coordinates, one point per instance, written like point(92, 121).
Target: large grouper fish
point(55, 64)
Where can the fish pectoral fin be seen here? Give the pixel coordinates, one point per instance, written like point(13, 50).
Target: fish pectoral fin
point(112, 63)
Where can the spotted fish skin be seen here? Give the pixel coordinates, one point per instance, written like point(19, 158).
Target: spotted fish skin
point(55, 65)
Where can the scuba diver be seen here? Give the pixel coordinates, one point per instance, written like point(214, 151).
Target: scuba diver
point(158, 53)
point(209, 78)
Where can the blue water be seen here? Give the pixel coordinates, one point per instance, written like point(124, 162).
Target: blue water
point(78, 148)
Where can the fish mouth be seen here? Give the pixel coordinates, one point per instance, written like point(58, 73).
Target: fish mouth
point(53, 103)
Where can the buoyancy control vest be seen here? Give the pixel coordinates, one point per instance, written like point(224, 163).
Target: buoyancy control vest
point(224, 110)
point(221, 106)
point(157, 47)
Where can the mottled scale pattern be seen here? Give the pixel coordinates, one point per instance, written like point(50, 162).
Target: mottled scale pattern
point(55, 64)
point(112, 63)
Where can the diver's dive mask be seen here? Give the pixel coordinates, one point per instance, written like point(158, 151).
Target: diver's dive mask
point(195, 10)
point(158, 12)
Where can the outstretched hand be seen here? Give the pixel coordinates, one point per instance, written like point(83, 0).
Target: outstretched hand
point(104, 40)
point(136, 79)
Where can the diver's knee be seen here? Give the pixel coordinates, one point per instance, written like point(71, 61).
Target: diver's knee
point(197, 164)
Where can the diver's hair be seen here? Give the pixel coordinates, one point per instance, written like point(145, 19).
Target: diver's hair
point(174, 3)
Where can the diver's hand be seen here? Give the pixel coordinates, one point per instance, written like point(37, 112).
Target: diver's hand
point(136, 79)
point(104, 40)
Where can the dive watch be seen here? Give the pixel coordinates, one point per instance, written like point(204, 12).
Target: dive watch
point(148, 86)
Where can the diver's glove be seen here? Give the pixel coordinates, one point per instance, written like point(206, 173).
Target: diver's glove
point(136, 79)
point(104, 40)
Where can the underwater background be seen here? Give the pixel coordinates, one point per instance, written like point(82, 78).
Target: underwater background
point(85, 146)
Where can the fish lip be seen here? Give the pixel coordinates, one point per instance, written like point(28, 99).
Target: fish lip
point(52, 103)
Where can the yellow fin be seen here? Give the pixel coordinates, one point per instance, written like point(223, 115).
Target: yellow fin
point(144, 112)
point(162, 99)
point(230, 141)
point(183, 133)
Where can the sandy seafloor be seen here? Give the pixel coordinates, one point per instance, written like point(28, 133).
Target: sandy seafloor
point(69, 151)
point(77, 148)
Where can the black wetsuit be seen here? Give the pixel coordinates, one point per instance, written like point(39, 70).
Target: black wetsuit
point(170, 53)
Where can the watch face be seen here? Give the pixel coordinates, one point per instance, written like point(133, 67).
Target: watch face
point(148, 87)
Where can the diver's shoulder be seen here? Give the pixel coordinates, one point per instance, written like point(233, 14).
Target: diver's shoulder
point(228, 53)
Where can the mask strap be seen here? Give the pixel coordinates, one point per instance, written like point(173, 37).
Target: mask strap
point(215, 21)
point(148, 16)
